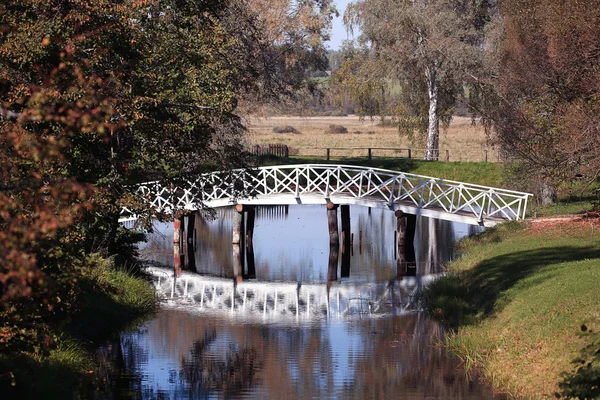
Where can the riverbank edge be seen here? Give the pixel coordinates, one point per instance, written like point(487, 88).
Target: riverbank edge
point(515, 301)
point(124, 301)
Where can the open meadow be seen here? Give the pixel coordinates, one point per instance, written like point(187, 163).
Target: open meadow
point(465, 141)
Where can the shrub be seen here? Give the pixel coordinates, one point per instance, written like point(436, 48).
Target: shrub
point(337, 129)
point(285, 129)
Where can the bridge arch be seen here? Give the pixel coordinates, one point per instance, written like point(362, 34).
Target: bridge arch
point(340, 184)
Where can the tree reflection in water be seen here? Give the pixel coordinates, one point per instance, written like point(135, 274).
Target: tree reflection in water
point(233, 374)
point(397, 357)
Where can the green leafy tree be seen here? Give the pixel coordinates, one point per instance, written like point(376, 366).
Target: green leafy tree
point(432, 48)
point(95, 96)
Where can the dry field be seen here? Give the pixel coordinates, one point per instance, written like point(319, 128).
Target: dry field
point(464, 141)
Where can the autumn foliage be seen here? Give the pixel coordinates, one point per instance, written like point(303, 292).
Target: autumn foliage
point(549, 113)
point(96, 96)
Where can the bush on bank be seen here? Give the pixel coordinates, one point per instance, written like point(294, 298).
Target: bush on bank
point(516, 299)
point(110, 300)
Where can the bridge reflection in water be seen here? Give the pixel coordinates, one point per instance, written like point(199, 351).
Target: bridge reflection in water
point(289, 269)
point(281, 300)
point(295, 326)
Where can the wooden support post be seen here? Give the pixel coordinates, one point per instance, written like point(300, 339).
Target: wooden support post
point(369, 156)
point(360, 241)
point(191, 254)
point(409, 244)
point(485, 155)
point(250, 216)
point(238, 225)
point(237, 261)
point(401, 243)
point(447, 155)
point(333, 263)
point(176, 246)
point(332, 222)
point(251, 268)
point(328, 153)
point(346, 240)
point(409, 154)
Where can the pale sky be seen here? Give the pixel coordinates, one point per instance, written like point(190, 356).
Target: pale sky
point(338, 32)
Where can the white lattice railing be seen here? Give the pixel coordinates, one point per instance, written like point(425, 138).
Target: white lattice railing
point(314, 183)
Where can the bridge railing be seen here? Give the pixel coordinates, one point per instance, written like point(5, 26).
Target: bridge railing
point(373, 184)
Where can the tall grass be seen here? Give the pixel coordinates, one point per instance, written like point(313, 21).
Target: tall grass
point(465, 141)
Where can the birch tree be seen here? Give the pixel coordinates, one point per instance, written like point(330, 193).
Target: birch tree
point(431, 47)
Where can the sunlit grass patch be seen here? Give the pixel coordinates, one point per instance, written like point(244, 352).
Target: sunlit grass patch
point(517, 298)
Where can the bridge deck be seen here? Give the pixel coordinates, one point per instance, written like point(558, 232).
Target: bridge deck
point(342, 184)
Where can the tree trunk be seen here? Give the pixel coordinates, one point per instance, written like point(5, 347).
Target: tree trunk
point(433, 130)
point(547, 193)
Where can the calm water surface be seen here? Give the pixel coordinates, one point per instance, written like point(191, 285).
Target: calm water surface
point(188, 352)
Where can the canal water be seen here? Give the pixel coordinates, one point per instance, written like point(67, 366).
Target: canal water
point(188, 350)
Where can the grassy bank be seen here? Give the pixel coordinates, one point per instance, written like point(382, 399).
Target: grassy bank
point(517, 298)
point(112, 300)
point(481, 173)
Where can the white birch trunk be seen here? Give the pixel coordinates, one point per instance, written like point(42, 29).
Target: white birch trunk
point(432, 151)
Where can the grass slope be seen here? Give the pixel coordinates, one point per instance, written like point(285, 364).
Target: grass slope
point(480, 173)
point(517, 298)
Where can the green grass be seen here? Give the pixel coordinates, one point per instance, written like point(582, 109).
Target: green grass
point(561, 208)
point(480, 173)
point(113, 300)
point(516, 299)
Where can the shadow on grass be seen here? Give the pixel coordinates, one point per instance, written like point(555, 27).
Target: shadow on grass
point(466, 297)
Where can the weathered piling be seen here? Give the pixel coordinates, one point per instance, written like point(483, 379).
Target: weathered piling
point(238, 262)
point(401, 243)
point(345, 214)
point(176, 245)
point(409, 244)
point(333, 263)
point(346, 240)
point(250, 217)
point(190, 243)
point(332, 222)
point(238, 225)
point(251, 269)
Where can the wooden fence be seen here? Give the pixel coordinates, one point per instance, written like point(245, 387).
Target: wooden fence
point(282, 150)
point(277, 150)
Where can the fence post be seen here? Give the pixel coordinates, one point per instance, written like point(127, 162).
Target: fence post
point(447, 155)
point(485, 155)
point(369, 156)
point(409, 154)
point(328, 154)
point(498, 156)
point(287, 151)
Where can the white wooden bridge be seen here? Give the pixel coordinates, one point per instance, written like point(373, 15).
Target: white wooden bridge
point(288, 300)
point(340, 184)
